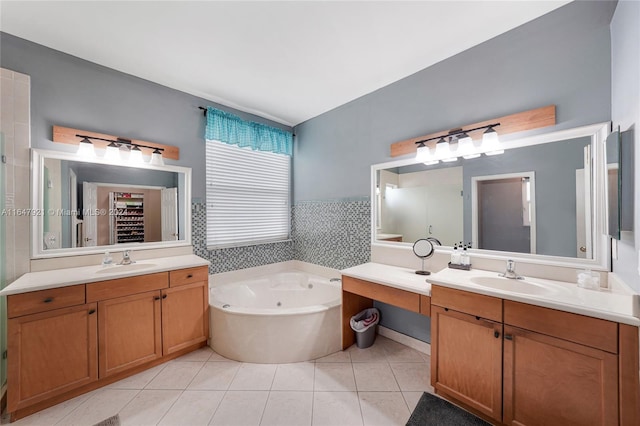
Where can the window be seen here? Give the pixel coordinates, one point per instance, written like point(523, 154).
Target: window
point(247, 196)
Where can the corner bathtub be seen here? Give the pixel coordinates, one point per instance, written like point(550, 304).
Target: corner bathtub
point(277, 318)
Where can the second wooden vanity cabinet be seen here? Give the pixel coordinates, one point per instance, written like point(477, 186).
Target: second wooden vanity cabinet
point(520, 364)
point(68, 339)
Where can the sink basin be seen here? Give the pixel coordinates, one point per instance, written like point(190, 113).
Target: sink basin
point(515, 286)
point(116, 269)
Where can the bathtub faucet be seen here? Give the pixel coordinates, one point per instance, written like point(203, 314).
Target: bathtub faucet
point(335, 280)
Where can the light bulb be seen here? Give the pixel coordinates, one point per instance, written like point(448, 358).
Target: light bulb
point(156, 158)
point(467, 148)
point(86, 149)
point(112, 152)
point(135, 155)
point(491, 142)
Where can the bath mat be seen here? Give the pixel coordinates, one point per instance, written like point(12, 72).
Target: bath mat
point(111, 421)
point(434, 411)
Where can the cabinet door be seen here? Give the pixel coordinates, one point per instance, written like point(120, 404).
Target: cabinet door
point(130, 332)
point(185, 316)
point(51, 353)
point(549, 381)
point(466, 360)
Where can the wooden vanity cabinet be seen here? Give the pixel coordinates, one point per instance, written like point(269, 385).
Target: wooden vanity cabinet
point(130, 332)
point(185, 316)
point(466, 350)
point(69, 340)
point(556, 382)
point(520, 364)
point(51, 353)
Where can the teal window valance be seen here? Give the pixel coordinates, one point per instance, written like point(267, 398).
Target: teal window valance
point(231, 129)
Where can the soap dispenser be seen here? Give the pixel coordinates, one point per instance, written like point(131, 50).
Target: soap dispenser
point(464, 257)
point(107, 260)
point(455, 256)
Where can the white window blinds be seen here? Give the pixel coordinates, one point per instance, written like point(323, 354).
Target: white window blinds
point(247, 196)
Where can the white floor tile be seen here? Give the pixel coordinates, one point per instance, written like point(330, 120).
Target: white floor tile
point(100, 406)
point(193, 408)
point(340, 356)
point(336, 408)
point(215, 376)
point(412, 399)
point(374, 376)
point(285, 408)
point(294, 377)
point(148, 407)
point(373, 353)
point(412, 376)
point(383, 408)
point(240, 408)
point(175, 375)
point(397, 352)
point(138, 381)
point(333, 376)
point(254, 377)
point(202, 354)
point(54, 414)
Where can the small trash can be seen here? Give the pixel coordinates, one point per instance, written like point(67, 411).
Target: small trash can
point(364, 324)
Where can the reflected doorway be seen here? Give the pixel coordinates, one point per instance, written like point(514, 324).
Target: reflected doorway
point(503, 216)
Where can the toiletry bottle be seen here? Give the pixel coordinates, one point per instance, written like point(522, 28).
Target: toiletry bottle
point(107, 260)
point(453, 254)
point(464, 257)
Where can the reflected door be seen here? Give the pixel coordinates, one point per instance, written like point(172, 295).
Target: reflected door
point(169, 208)
point(89, 222)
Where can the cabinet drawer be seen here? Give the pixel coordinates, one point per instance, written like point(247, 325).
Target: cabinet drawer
point(125, 286)
point(594, 332)
point(188, 276)
point(470, 303)
point(44, 300)
point(393, 296)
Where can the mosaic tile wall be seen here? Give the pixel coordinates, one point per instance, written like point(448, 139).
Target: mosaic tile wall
point(335, 234)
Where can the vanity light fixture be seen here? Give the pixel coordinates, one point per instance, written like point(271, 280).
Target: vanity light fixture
point(135, 155)
point(86, 149)
point(457, 143)
point(156, 158)
point(112, 151)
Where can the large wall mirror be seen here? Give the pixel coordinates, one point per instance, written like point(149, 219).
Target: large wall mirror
point(544, 198)
point(89, 206)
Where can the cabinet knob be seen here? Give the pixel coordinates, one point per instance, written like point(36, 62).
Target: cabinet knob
point(156, 298)
point(190, 276)
point(446, 309)
point(164, 296)
point(508, 337)
point(48, 300)
point(92, 311)
point(496, 334)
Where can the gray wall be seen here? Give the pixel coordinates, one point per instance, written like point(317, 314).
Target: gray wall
point(555, 166)
point(72, 92)
point(625, 112)
point(561, 58)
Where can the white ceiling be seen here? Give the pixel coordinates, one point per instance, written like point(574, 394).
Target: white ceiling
point(287, 61)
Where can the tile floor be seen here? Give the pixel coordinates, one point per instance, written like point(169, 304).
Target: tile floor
point(379, 385)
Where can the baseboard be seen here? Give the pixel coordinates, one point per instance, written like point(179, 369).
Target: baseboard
point(416, 344)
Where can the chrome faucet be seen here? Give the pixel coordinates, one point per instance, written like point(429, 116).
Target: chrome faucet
point(511, 271)
point(126, 258)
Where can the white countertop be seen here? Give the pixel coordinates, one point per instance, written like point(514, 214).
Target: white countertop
point(44, 280)
point(613, 305)
point(392, 276)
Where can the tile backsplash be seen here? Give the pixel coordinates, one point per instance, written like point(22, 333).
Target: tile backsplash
point(334, 233)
